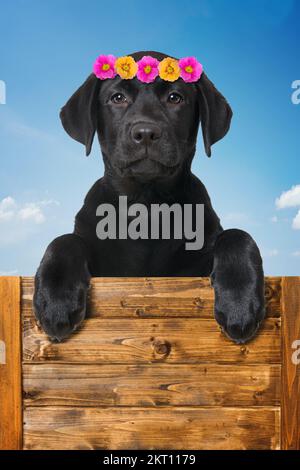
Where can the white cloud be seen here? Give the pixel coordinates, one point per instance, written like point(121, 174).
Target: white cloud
point(271, 253)
point(274, 219)
point(296, 254)
point(33, 212)
point(13, 272)
point(290, 198)
point(296, 222)
point(20, 220)
point(7, 203)
point(49, 202)
point(7, 207)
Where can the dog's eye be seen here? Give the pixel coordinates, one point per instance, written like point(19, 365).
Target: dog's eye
point(118, 98)
point(175, 98)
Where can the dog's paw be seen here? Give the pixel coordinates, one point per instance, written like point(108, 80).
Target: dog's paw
point(60, 309)
point(238, 281)
point(239, 314)
point(238, 328)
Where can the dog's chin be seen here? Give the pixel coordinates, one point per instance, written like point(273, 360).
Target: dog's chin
point(147, 169)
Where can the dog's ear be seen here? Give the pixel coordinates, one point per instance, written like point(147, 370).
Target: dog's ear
point(79, 115)
point(215, 113)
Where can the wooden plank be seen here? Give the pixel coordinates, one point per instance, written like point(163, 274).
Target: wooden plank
point(131, 341)
point(154, 297)
point(10, 365)
point(150, 428)
point(150, 385)
point(290, 425)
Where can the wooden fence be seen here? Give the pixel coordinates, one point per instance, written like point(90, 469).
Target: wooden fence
point(149, 369)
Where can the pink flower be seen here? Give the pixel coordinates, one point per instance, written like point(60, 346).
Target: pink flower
point(147, 69)
point(104, 67)
point(190, 69)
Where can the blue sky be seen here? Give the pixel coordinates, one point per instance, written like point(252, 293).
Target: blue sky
point(250, 50)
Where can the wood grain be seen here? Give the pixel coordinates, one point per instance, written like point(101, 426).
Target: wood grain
point(151, 369)
point(154, 297)
point(150, 385)
point(290, 408)
point(10, 371)
point(132, 341)
point(150, 428)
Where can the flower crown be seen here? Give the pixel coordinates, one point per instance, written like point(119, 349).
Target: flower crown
point(148, 68)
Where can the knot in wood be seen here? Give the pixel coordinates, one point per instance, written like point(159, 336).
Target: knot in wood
point(162, 348)
point(268, 292)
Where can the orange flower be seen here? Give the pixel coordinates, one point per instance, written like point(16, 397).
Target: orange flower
point(169, 69)
point(126, 67)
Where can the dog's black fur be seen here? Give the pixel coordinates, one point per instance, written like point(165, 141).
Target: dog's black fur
point(147, 134)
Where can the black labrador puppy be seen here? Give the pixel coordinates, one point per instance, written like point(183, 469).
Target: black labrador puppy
point(147, 134)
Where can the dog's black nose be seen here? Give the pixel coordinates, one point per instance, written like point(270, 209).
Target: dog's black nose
point(145, 133)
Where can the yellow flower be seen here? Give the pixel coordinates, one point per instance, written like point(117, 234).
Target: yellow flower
point(126, 67)
point(169, 69)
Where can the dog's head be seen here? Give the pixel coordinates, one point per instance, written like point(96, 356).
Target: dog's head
point(148, 130)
